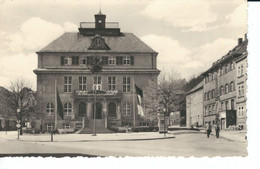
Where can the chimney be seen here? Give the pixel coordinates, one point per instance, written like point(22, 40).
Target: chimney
point(240, 40)
point(245, 37)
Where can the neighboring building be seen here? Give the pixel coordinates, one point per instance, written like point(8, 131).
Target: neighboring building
point(175, 118)
point(220, 95)
point(194, 106)
point(126, 61)
point(7, 118)
point(241, 88)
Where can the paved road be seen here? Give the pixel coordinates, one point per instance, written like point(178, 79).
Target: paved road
point(190, 144)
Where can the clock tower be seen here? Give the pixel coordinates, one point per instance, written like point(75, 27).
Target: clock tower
point(100, 20)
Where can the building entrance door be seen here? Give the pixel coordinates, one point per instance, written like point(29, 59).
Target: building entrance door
point(111, 109)
point(98, 111)
point(82, 109)
point(223, 123)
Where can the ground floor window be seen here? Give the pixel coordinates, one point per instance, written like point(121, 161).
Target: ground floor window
point(66, 126)
point(49, 126)
point(126, 109)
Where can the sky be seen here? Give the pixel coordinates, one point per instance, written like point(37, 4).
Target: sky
point(188, 35)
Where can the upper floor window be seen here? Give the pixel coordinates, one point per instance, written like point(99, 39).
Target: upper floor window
point(226, 88)
point(50, 108)
point(205, 96)
point(82, 83)
point(83, 61)
point(238, 71)
point(67, 108)
point(126, 60)
point(241, 90)
point(126, 109)
point(242, 70)
point(126, 84)
point(232, 66)
point(112, 83)
point(112, 60)
point(232, 86)
point(69, 60)
point(67, 83)
point(227, 68)
point(209, 95)
point(222, 106)
point(213, 93)
point(221, 90)
point(97, 83)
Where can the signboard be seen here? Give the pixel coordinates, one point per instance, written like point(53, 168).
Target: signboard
point(18, 125)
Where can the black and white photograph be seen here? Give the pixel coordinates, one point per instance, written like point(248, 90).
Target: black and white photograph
point(124, 78)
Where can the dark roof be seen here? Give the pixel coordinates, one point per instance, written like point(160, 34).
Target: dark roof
point(197, 87)
point(74, 42)
point(234, 53)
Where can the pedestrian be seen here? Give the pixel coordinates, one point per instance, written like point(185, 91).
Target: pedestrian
point(217, 128)
point(208, 128)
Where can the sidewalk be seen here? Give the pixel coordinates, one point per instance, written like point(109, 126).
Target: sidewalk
point(239, 136)
point(12, 136)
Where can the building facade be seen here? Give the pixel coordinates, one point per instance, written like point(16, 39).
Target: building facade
point(220, 88)
point(194, 106)
point(126, 62)
point(241, 87)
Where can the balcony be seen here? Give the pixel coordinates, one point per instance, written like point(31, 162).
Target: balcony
point(91, 25)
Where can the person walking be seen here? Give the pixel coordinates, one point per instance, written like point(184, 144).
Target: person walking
point(217, 128)
point(208, 128)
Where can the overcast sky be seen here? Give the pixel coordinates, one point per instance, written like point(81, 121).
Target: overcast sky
point(188, 35)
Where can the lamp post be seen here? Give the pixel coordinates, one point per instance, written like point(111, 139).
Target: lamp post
point(95, 67)
point(18, 123)
point(164, 113)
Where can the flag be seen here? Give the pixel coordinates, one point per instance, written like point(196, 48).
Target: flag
point(59, 105)
point(139, 93)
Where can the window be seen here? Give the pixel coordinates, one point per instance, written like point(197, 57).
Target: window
point(213, 108)
point(226, 88)
point(242, 111)
point(126, 60)
point(68, 60)
point(238, 71)
point(49, 127)
point(232, 86)
point(112, 60)
point(221, 71)
point(222, 106)
point(232, 66)
point(67, 83)
point(232, 104)
point(241, 90)
point(209, 95)
point(126, 109)
point(221, 90)
point(226, 105)
point(206, 110)
point(213, 93)
point(126, 84)
point(227, 68)
point(82, 83)
point(50, 108)
point(205, 96)
point(209, 109)
point(67, 109)
point(242, 70)
point(83, 61)
point(66, 126)
point(111, 83)
point(97, 83)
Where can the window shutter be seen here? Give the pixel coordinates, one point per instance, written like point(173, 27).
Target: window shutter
point(132, 60)
point(119, 60)
point(62, 60)
point(105, 60)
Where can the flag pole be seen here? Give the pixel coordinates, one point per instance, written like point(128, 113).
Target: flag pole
point(134, 100)
point(56, 107)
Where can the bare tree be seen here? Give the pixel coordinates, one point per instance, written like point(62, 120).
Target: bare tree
point(22, 100)
point(163, 93)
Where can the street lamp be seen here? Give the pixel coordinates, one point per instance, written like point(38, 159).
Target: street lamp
point(164, 113)
point(95, 67)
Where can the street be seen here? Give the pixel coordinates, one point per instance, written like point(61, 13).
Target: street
point(124, 144)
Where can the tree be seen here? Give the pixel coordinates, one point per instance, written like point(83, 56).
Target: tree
point(23, 99)
point(164, 93)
